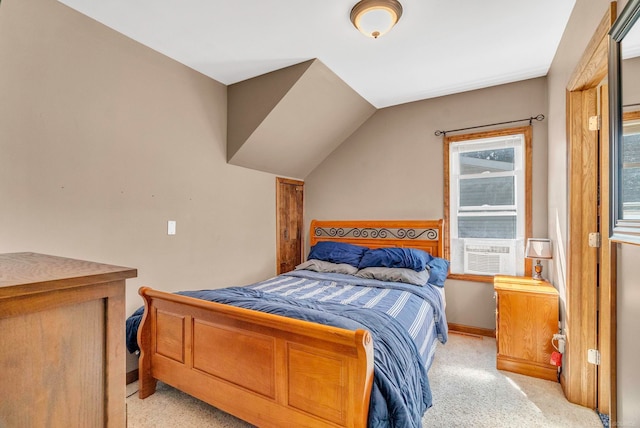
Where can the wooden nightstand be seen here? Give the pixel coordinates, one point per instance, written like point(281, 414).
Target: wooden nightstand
point(526, 320)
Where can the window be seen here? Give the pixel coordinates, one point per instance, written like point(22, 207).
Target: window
point(487, 203)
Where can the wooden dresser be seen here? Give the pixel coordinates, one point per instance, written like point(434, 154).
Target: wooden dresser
point(526, 320)
point(62, 342)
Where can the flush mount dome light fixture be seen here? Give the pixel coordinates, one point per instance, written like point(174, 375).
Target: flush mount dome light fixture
point(373, 18)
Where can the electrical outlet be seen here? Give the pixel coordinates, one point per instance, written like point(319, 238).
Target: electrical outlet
point(561, 340)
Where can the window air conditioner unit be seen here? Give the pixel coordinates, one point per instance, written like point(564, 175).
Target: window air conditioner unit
point(490, 256)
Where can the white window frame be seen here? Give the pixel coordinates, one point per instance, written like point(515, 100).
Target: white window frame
point(509, 252)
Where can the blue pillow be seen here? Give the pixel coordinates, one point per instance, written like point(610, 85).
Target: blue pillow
point(337, 252)
point(438, 271)
point(408, 258)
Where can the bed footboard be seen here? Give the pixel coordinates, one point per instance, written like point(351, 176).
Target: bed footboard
point(266, 369)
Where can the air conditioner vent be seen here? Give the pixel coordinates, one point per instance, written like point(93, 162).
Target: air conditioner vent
point(490, 257)
point(494, 249)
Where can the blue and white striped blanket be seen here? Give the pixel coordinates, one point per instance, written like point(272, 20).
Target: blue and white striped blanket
point(420, 310)
point(405, 321)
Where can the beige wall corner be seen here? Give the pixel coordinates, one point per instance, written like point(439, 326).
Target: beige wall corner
point(584, 20)
point(315, 116)
point(249, 102)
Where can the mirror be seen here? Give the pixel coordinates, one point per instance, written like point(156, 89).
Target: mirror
point(624, 98)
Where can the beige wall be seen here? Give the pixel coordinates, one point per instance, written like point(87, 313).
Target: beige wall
point(103, 140)
point(584, 20)
point(631, 83)
point(628, 333)
point(392, 168)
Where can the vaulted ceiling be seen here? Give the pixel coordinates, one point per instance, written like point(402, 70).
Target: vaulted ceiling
point(437, 48)
point(301, 78)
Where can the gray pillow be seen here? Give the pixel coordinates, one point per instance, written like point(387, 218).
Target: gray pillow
point(328, 267)
point(408, 276)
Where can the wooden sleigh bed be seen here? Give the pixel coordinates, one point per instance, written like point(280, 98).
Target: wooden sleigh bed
point(270, 370)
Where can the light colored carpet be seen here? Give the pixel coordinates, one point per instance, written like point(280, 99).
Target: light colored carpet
point(467, 390)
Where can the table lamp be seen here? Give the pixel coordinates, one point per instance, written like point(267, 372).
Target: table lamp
point(538, 248)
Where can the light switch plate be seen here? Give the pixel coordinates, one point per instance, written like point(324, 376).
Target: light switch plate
point(171, 227)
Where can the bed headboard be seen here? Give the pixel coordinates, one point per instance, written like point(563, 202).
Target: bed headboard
point(422, 234)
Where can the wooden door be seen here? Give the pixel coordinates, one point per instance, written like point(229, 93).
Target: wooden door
point(582, 269)
point(590, 297)
point(289, 223)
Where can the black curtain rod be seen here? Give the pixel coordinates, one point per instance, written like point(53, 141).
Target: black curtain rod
point(631, 105)
point(539, 118)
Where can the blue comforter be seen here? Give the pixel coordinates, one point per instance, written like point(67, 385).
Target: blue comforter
point(400, 394)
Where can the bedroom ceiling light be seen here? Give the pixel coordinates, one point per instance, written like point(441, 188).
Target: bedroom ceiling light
point(373, 18)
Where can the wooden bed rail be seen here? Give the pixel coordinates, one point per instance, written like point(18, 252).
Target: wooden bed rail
point(267, 369)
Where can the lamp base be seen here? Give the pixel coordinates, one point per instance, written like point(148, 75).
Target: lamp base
point(537, 274)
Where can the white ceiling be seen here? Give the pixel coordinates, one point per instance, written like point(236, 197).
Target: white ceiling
point(438, 47)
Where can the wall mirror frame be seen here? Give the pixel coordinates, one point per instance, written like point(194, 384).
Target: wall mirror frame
point(625, 212)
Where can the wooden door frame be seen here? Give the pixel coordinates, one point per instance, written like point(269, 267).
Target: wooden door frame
point(280, 180)
point(584, 383)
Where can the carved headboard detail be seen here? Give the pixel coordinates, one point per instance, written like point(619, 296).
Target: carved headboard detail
point(422, 234)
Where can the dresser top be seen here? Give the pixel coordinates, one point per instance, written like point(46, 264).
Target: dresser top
point(26, 273)
point(523, 283)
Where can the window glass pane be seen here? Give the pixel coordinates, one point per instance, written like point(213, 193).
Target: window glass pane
point(487, 191)
point(631, 176)
point(498, 160)
point(500, 227)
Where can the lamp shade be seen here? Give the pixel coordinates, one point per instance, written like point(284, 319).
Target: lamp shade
point(538, 248)
point(373, 18)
